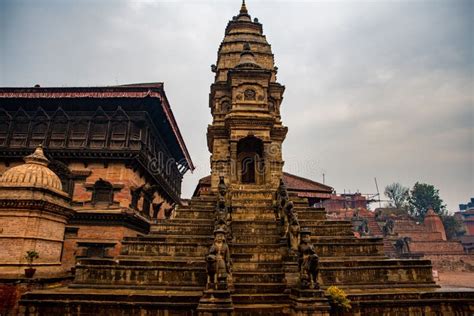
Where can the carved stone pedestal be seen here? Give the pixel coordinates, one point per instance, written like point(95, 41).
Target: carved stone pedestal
point(216, 302)
point(309, 302)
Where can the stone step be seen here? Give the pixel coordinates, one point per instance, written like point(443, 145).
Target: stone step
point(191, 273)
point(252, 195)
point(389, 272)
point(321, 222)
point(254, 288)
point(257, 257)
point(196, 214)
point(258, 277)
point(347, 248)
point(329, 230)
point(143, 261)
point(166, 248)
point(107, 301)
point(252, 203)
point(169, 238)
point(254, 238)
point(239, 266)
point(261, 309)
point(182, 229)
point(253, 216)
point(255, 248)
point(311, 214)
point(192, 221)
point(346, 239)
point(258, 298)
point(254, 227)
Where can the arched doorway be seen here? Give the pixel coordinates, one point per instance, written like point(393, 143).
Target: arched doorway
point(249, 154)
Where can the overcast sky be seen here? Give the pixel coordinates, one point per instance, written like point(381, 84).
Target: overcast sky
point(373, 88)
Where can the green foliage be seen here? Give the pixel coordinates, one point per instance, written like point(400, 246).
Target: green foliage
point(398, 194)
point(422, 197)
point(453, 226)
point(338, 297)
point(30, 256)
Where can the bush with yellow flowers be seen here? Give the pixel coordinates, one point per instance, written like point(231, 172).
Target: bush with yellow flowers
point(338, 298)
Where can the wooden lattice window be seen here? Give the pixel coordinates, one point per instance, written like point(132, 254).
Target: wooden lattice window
point(78, 134)
point(21, 126)
point(119, 129)
point(58, 132)
point(98, 133)
point(38, 134)
point(136, 135)
point(4, 127)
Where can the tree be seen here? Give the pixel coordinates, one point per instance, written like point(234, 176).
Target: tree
point(422, 197)
point(452, 226)
point(398, 194)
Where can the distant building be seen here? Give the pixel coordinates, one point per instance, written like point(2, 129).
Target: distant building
point(347, 201)
point(466, 216)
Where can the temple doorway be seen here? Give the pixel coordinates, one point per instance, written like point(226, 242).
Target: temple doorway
point(249, 153)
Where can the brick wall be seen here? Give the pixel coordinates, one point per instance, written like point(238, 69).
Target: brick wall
point(119, 175)
point(437, 247)
point(87, 233)
point(23, 230)
point(443, 262)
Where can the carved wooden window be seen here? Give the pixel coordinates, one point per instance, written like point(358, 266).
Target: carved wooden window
point(98, 132)
point(39, 128)
point(21, 126)
point(103, 193)
point(78, 134)
point(38, 134)
point(118, 134)
point(135, 135)
point(4, 127)
point(249, 95)
point(59, 128)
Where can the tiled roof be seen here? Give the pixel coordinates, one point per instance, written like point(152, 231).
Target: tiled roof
point(297, 183)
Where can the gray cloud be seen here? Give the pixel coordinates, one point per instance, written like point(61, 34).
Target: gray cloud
point(374, 89)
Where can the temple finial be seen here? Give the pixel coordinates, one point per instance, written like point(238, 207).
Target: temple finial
point(243, 8)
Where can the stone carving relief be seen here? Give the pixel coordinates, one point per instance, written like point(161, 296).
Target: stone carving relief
point(225, 106)
point(218, 261)
point(249, 95)
point(288, 218)
point(308, 262)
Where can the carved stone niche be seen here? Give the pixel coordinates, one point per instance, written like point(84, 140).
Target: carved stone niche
point(249, 94)
point(226, 106)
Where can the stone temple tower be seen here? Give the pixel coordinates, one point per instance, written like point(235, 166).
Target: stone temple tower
point(246, 135)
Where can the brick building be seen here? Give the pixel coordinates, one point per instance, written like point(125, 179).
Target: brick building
point(116, 152)
point(466, 216)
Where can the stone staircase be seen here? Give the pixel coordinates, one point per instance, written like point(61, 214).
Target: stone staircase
point(164, 272)
point(257, 255)
point(350, 262)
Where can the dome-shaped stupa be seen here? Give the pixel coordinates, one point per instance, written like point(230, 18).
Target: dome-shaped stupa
point(33, 173)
